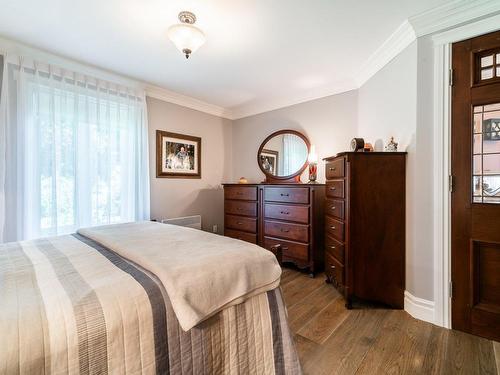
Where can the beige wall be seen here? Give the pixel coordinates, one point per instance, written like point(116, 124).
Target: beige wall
point(182, 197)
point(329, 123)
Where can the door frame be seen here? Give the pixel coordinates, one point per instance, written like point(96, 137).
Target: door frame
point(442, 160)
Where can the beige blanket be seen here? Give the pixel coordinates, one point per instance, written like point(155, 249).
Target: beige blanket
point(202, 272)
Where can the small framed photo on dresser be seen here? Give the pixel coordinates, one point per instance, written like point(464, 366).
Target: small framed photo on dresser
point(177, 155)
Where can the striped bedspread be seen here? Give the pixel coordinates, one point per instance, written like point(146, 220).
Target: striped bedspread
point(71, 306)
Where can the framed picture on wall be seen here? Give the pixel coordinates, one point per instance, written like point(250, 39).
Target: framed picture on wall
point(269, 161)
point(177, 155)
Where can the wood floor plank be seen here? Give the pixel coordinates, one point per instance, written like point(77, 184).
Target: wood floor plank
point(375, 341)
point(305, 347)
point(325, 322)
point(434, 359)
point(345, 349)
point(401, 347)
point(300, 287)
point(496, 350)
point(467, 354)
point(288, 275)
point(303, 311)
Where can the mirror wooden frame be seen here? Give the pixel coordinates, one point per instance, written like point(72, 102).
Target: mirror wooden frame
point(293, 178)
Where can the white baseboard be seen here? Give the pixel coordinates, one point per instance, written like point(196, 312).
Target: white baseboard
point(419, 308)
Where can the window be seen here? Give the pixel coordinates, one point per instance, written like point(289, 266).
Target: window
point(79, 155)
point(486, 154)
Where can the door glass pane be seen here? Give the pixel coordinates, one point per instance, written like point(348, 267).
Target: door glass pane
point(487, 73)
point(491, 164)
point(486, 154)
point(478, 121)
point(478, 141)
point(486, 61)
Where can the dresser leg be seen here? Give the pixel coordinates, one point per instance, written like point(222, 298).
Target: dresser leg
point(311, 275)
point(348, 304)
point(327, 280)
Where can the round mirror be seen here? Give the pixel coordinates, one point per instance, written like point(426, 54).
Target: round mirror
point(283, 155)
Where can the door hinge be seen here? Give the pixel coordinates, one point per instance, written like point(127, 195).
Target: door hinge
point(450, 77)
point(450, 290)
point(451, 183)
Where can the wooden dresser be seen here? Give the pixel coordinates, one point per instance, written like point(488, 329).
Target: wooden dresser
point(287, 214)
point(365, 226)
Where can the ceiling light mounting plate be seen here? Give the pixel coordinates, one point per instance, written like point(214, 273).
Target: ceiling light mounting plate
point(187, 17)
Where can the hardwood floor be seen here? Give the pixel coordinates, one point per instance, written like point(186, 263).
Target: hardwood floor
point(368, 340)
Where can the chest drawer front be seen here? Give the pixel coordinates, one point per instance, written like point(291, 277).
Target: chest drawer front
point(290, 249)
point(335, 208)
point(240, 208)
point(334, 248)
point(335, 189)
point(335, 228)
point(294, 232)
point(286, 195)
point(246, 224)
point(335, 272)
point(335, 169)
point(244, 236)
point(299, 214)
point(247, 193)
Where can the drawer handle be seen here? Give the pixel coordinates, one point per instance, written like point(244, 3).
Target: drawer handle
point(285, 230)
point(333, 207)
point(285, 248)
point(285, 213)
point(332, 168)
point(333, 227)
point(332, 267)
point(239, 209)
point(332, 247)
point(239, 223)
point(333, 188)
point(285, 194)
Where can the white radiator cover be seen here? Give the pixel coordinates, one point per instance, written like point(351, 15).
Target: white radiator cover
point(186, 221)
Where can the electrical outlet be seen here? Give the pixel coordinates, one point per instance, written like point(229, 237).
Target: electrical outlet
point(215, 228)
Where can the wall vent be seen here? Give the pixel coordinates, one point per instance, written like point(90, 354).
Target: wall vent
point(186, 221)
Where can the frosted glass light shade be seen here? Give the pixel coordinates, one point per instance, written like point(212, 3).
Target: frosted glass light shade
point(313, 156)
point(187, 38)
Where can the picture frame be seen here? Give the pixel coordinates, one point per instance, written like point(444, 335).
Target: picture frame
point(271, 162)
point(177, 155)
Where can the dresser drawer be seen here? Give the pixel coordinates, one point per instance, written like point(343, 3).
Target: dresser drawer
point(334, 208)
point(334, 271)
point(335, 228)
point(334, 248)
point(298, 214)
point(290, 249)
point(246, 193)
point(244, 236)
point(240, 208)
point(335, 189)
point(246, 224)
point(286, 195)
point(335, 169)
point(295, 232)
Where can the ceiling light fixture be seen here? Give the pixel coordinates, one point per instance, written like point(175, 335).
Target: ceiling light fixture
point(186, 37)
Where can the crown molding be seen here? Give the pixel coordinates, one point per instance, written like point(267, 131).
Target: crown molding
point(273, 105)
point(452, 14)
point(187, 101)
point(393, 46)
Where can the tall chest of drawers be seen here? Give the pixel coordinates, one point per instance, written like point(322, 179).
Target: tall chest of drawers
point(365, 226)
point(287, 214)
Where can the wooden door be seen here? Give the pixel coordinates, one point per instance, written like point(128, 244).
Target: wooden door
point(475, 200)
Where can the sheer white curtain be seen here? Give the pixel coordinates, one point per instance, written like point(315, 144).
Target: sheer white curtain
point(294, 153)
point(76, 152)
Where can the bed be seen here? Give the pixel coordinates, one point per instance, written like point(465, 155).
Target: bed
point(142, 298)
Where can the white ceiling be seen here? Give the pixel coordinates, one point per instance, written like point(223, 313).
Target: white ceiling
point(257, 51)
